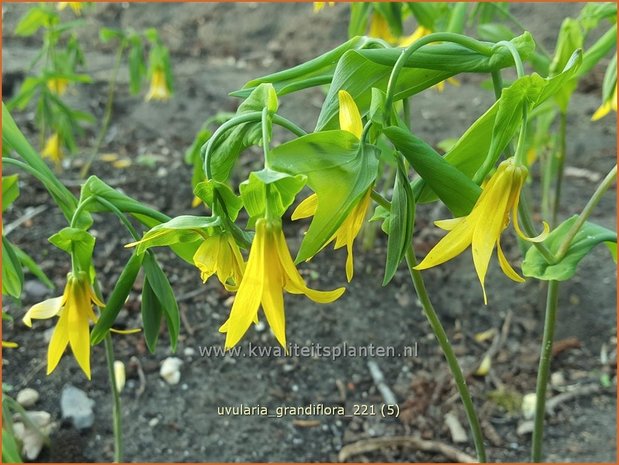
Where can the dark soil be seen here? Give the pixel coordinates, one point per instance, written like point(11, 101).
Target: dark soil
point(215, 49)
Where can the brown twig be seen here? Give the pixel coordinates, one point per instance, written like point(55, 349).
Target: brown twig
point(373, 444)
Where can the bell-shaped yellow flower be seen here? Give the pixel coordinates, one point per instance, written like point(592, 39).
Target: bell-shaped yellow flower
point(53, 150)
point(320, 5)
point(159, 89)
point(219, 254)
point(482, 228)
point(270, 271)
point(74, 309)
point(604, 109)
point(75, 6)
point(58, 85)
point(350, 120)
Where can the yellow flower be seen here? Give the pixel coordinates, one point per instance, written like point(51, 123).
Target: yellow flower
point(58, 85)
point(74, 309)
point(75, 6)
point(320, 5)
point(379, 28)
point(270, 271)
point(350, 120)
point(52, 149)
point(420, 32)
point(220, 255)
point(482, 227)
point(610, 104)
point(158, 87)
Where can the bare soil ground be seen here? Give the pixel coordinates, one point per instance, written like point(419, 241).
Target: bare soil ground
point(215, 49)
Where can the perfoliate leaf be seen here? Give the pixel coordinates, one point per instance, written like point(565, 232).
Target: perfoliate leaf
point(232, 204)
point(269, 192)
point(339, 170)
point(79, 244)
point(589, 235)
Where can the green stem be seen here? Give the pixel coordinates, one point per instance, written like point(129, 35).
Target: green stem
point(252, 117)
point(448, 352)
point(435, 37)
point(266, 135)
point(497, 83)
point(121, 216)
point(524, 214)
point(559, 166)
point(107, 115)
point(116, 412)
point(544, 370)
point(586, 212)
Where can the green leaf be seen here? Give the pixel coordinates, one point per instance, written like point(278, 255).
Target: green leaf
point(12, 274)
point(79, 244)
point(570, 39)
point(164, 295)
point(34, 19)
point(224, 154)
point(454, 188)
point(182, 229)
point(589, 235)
point(10, 449)
point(137, 66)
point(117, 298)
point(10, 190)
point(27, 261)
point(152, 312)
point(339, 170)
point(358, 21)
point(401, 223)
point(269, 191)
point(206, 190)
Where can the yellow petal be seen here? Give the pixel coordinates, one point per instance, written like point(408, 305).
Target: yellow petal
point(602, 111)
point(272, 295)
point(350, 118)
point(350, 266)
point(505, 265)
point(415, 36)
point(205, 258)
point(449, 224)
point(250, 291)
point(43, 310)
point(540, 237)
point(9, 345)
point(306, 208)
point(490, 221)
point(453, 244)
point(76, 312)
point(58, 343)
point(294, 283)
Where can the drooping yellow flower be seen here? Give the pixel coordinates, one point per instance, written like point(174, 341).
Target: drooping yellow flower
point(158, 87)
point(379, 28)
point(482, 228)
point(320, 5)
point(270, 271)
point(604, 109)
point(75, 6)
point(58, 85)
point(53, 150)
point(219, 254)
point(420, 32)
point(350, 120)
point(74, 309)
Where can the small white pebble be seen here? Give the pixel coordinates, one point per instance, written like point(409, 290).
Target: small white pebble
point(528, 405)
point(153, 422)
point(170, 370)
point(27, 397)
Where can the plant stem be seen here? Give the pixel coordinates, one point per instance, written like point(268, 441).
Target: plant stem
point(116, 412)
point(107, 115)
point(586, 212)
point(559, 166)
point(497, 83)
point(544, 369)
point(448, 352)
